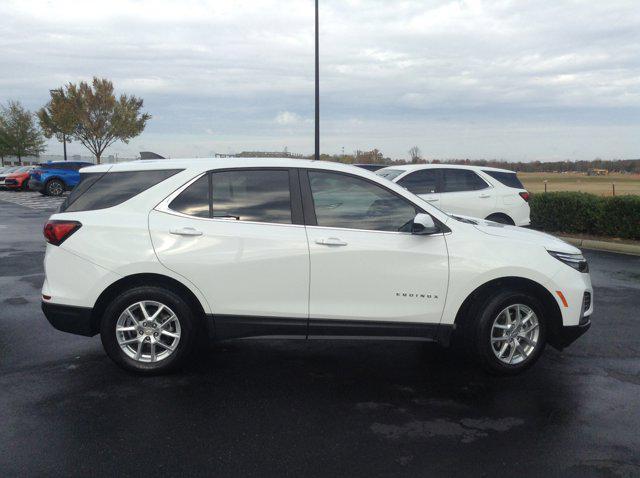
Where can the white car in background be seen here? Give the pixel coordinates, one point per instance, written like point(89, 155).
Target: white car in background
point(486, 193)
point(153, 254)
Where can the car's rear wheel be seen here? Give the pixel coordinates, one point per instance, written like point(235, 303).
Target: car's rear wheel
point(148, 330)
point(509, 332)
point(501, 219)
point(54, 188)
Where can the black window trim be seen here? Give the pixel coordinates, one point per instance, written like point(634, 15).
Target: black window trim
point(309, 206)
point(297, 218)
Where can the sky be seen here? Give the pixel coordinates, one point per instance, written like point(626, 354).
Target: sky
point(515, 80)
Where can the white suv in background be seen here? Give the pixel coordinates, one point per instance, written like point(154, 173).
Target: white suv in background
point(487, 193)
point(153, 254)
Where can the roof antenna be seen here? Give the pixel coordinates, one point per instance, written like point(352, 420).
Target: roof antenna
point(317, 136)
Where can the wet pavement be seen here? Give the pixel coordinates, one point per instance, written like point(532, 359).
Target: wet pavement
point(288, 408)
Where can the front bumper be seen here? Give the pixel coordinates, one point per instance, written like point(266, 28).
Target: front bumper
point(71, 319)
point(12, 183)
point(569, 334)
point(35, 185)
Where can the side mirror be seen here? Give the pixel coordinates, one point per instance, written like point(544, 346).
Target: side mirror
point(424, 225)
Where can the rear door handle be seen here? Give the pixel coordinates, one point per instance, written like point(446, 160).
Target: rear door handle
point(433, 199)
point(484, 196)
point(185, 231)
point(331, 241)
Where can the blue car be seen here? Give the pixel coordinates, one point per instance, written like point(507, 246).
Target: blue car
point(56, 177)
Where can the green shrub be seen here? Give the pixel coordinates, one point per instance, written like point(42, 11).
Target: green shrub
point(584, 213)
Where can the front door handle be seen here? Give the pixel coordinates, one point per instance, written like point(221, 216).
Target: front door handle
point(185, 231)
point(484, 196)
point(433, 199)
point(331, 241)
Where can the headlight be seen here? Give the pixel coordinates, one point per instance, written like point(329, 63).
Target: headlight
point(577, 261)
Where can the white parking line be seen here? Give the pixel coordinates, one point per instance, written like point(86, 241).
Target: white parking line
point(32, 200)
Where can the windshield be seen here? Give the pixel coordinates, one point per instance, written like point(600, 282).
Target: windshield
point(389, 174)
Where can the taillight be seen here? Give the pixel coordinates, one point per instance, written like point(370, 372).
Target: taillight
point(56, 232)
point(525, 195)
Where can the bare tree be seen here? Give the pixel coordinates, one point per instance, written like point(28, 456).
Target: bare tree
point(415, 154)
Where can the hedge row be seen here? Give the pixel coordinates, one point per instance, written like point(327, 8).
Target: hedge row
point(572, 212)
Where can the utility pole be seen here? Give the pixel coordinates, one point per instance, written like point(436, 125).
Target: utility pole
point(317, 136)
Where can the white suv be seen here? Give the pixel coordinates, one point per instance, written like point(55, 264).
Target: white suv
point(153, 254)
point(493, 194)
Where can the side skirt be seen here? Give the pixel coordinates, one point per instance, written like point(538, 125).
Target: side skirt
point(224, 327)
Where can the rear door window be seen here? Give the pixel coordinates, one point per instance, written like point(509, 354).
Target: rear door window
point(242, 195)
point(103, 190)
point(456, 180)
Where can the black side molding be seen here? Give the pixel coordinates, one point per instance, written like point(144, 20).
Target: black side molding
point(319, 328)
point(223, 327)
point(236, 327)
point(67, 318)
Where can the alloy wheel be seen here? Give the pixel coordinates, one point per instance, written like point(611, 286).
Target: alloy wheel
point(55, 188)
point(514, 334)
point(148, 331)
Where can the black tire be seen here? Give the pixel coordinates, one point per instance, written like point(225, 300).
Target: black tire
point(183, 313)
point(25, 185)
point(481, 331)
point(54, 187)
point(501, 219)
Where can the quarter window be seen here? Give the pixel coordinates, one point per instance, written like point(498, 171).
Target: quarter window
point(456, 180)
point(424, 181)
point(194, 200)
point(350, 202)
point(103, 190)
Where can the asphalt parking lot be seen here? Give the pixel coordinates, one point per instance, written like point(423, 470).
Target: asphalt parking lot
point(264, 408)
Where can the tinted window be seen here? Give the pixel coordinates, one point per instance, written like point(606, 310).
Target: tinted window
point(252, 195)
point(389, 173)
point(424, 181)
point(461, 180)
point(194, 200)
point(350, 202)
point(111, 189)
point(508, 179)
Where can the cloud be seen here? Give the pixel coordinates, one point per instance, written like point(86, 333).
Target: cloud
point(515, 80)
point(286, 118)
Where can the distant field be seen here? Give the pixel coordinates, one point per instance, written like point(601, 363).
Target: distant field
point(601, 185)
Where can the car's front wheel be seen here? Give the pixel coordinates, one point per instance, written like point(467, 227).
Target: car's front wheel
point(148, 329)
point(510, 332)
point(54, 188)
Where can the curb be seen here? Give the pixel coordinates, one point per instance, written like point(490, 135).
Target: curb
point(633, 249)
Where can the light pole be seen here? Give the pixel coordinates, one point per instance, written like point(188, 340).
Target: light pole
point(317, 133)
